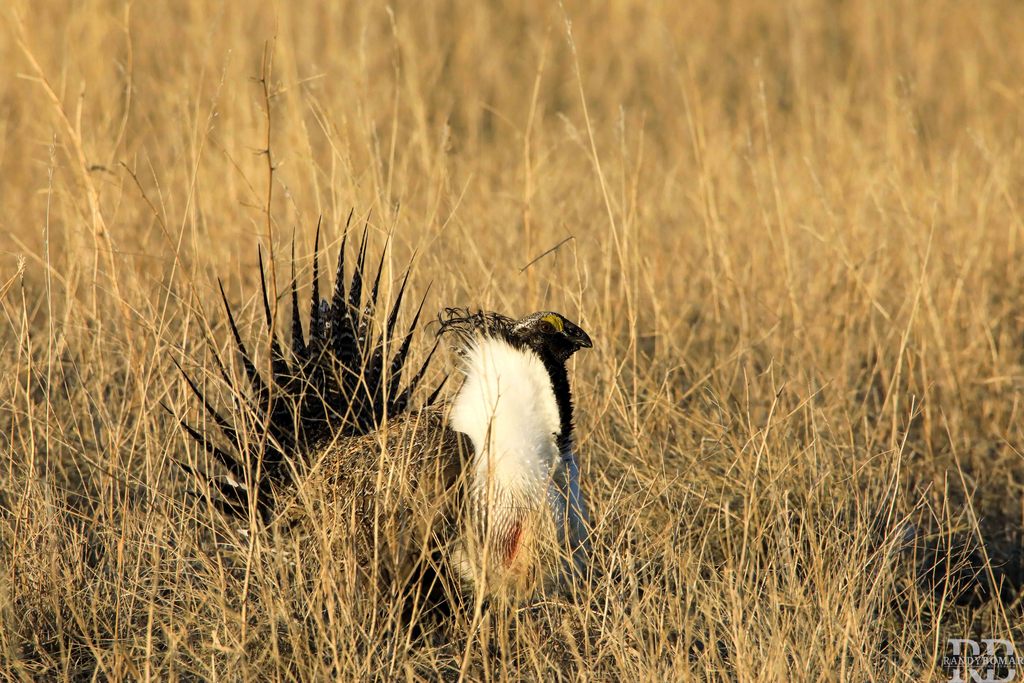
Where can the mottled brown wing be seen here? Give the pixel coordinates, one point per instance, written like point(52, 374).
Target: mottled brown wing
point(387, 501)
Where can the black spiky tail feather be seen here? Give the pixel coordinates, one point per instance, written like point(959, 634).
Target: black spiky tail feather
point(330, 383)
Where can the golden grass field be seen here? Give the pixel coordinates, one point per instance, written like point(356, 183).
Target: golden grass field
point(794, 233)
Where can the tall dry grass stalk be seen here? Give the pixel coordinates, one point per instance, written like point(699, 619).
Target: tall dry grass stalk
point(792, 229)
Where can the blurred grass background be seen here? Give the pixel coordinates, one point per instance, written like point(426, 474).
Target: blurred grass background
point(792, 230)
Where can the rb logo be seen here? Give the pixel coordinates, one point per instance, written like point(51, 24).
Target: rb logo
point(968, 664)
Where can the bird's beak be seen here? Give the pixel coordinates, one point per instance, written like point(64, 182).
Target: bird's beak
point(582, 339)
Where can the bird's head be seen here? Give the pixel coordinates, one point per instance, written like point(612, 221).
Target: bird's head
point(547, 332)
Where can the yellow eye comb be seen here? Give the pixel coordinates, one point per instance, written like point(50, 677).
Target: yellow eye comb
point(555, 321)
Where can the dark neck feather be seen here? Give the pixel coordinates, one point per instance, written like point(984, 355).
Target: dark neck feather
point(563, 397)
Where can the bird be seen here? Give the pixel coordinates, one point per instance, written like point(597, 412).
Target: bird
point(477, 495)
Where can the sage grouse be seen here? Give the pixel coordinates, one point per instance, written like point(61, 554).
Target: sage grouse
point(480, 494)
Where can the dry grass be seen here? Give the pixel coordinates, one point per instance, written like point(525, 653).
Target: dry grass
point(796, 242)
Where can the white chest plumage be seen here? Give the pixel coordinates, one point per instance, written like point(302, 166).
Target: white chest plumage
point(520, 481)
point(508, 410)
